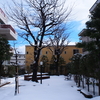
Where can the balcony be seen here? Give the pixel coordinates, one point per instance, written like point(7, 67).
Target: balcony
point(8, 32)
point(81, 33)
point(80, 38)
point(94, 6)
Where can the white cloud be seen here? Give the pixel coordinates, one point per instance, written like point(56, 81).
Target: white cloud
point(81, 8)
point(72, 43)
point(80, 13)
point(21, 49)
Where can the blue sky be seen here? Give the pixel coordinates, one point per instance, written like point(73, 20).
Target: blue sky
point(79, 16)
point(77, 27)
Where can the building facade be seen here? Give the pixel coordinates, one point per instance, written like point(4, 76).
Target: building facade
point(20, 60)
point(94, 6)
point(66, 54)
point(6, 30)
point(85, 38)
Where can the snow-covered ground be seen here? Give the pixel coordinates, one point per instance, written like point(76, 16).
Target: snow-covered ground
point(55, 88)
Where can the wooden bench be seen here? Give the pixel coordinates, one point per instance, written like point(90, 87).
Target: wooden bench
point(43, 77)
point(4, 84)
point(29, 77)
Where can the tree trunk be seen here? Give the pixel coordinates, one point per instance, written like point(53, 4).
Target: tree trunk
point(0, 70)
point(88, 84)
point(57, 73)
point(76, 78)
point(83, 81)
point(35, 64)
point(0, 73)
point(79, 80)
point(93, 87)
point(57, 68)
point(99, 87)
point(34, 76)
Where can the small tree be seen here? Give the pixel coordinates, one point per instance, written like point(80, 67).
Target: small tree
point(45, 61)
point(58, 44)
point(76, 66)
point(52, 63)
point(69, 68)
point(28, 69)
point(61, 63)
point(11, 71)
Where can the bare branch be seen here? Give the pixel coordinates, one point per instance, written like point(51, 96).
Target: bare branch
point(47, 16)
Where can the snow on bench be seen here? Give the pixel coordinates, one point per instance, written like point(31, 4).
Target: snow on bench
point(29, 77)
point(85, 93)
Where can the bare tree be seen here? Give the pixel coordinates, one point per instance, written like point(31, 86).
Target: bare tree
point(58, 44)
point(43, 15)
point(15, 64)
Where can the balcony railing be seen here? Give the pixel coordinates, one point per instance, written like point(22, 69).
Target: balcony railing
point(94, 6)
point(3, 17)
point(7, 26)
point(1, 11)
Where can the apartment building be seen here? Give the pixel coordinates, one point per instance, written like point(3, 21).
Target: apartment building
point(6, 30)
point(85, 38)
point(69, 51)
point(20, 60)
point(94, 5)
point(81, 34)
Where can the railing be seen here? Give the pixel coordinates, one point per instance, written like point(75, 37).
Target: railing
point(1, 11)
point(7, 26)
point(94, 6)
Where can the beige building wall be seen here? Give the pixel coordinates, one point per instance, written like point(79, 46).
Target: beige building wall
point(67, 53)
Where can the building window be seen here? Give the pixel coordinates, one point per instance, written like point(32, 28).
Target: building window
point(8, 62)
point(46, 52)
point(75, 51)
point(65, 52)
point(57, 51)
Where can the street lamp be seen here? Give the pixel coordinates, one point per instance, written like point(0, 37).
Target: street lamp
point(41, 63)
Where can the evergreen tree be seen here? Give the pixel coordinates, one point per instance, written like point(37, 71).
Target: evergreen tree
point(45, 61)
point(69, 68)
point(93, 32)
point(4, 52)
point(76, 67)
point(61, 63)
